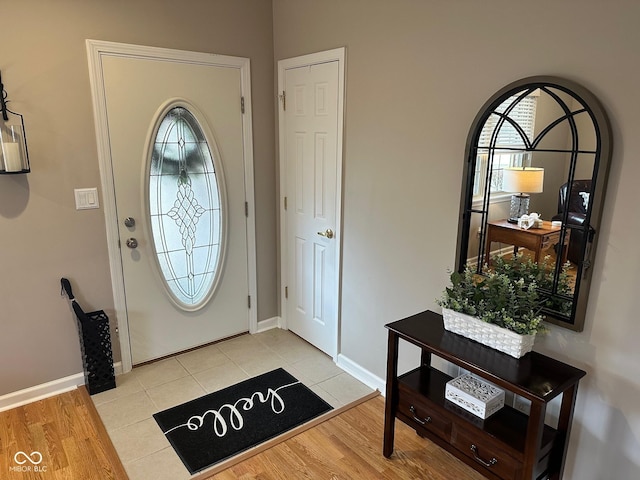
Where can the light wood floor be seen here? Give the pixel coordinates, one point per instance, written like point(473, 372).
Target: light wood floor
point(74, 445)
point(67, 432)
point(349, 446)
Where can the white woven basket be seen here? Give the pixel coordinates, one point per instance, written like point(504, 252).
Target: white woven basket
point(488, 334)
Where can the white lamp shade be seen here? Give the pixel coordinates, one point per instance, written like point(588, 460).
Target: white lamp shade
point(522, 180)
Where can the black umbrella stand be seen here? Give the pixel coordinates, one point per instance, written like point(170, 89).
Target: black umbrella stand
point(95, 344)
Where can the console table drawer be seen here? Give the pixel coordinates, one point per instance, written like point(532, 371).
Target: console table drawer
point(421, 416)
point(477, 447)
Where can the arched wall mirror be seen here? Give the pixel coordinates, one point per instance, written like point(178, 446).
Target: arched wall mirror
point(540, 145)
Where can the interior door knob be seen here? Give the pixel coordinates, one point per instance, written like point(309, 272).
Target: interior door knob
point(132, 243)
point(327, 233)
point(129, 222)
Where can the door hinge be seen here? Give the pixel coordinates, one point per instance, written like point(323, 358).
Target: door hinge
point(249, 301)
point(242, 104)
point(283, 97)
point(246, 209)
point(286, 292)
point(285, 203)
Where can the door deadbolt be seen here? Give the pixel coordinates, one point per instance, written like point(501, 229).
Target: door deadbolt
point(129, 222)
point(132, 243)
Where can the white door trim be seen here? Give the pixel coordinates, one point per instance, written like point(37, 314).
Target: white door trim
point(339, 55)
point(96, 50)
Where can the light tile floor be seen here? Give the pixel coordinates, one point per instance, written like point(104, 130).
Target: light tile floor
point(127, 410)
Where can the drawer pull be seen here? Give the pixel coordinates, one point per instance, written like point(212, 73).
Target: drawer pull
point(412, 409)
point(490, 463)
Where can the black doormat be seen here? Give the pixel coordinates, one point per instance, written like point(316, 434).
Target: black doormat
point(219, 425)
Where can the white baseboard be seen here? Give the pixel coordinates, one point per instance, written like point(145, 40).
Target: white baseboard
point(268, 324)
point(45, 390)
point(473, 261)
point(38, 392)
point(360, 373)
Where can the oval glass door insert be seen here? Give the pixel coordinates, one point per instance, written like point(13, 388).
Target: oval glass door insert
point(186, 206)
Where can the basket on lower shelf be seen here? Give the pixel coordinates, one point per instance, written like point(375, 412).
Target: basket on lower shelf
point(95, 344)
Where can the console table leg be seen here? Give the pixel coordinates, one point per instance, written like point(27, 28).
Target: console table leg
point(559, 453)
point(391, 404)
point(425, 358)
point(535, 428)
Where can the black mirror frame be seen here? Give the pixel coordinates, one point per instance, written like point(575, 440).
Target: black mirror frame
point(599, 182)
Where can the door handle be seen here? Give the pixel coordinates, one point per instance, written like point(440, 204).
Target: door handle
point(132, 243)
point(129, 222)
point(327, 233)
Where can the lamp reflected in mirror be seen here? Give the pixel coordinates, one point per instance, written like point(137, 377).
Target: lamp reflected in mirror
point(523, 180)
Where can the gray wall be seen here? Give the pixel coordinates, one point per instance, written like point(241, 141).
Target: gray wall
point(417, 73)
point(42, 237)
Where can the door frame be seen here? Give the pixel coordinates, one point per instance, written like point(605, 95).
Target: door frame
point(96, 51)
point(339, 55)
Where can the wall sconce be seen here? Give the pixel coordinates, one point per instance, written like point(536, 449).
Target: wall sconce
point(523, 180)
point(14, 156)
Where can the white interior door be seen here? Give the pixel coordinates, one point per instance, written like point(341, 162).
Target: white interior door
point(177, 146)
point(311, 154)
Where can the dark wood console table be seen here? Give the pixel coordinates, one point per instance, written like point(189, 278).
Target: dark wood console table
point(507, 445)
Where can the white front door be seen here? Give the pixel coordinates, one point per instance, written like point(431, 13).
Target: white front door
point(311, 89)
point(176, 144)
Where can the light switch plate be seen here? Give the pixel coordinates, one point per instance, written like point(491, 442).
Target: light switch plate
point(86, 198)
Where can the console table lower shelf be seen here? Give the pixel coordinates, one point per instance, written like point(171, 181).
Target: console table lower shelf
point(495, 444)
point(508, 445)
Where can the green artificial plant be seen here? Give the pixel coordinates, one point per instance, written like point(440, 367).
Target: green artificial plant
point(507, 295)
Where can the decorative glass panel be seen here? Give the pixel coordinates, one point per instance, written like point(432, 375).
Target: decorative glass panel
point(185, 206)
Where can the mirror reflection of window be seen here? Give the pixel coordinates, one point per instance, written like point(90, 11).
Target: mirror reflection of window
point(503, 143)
